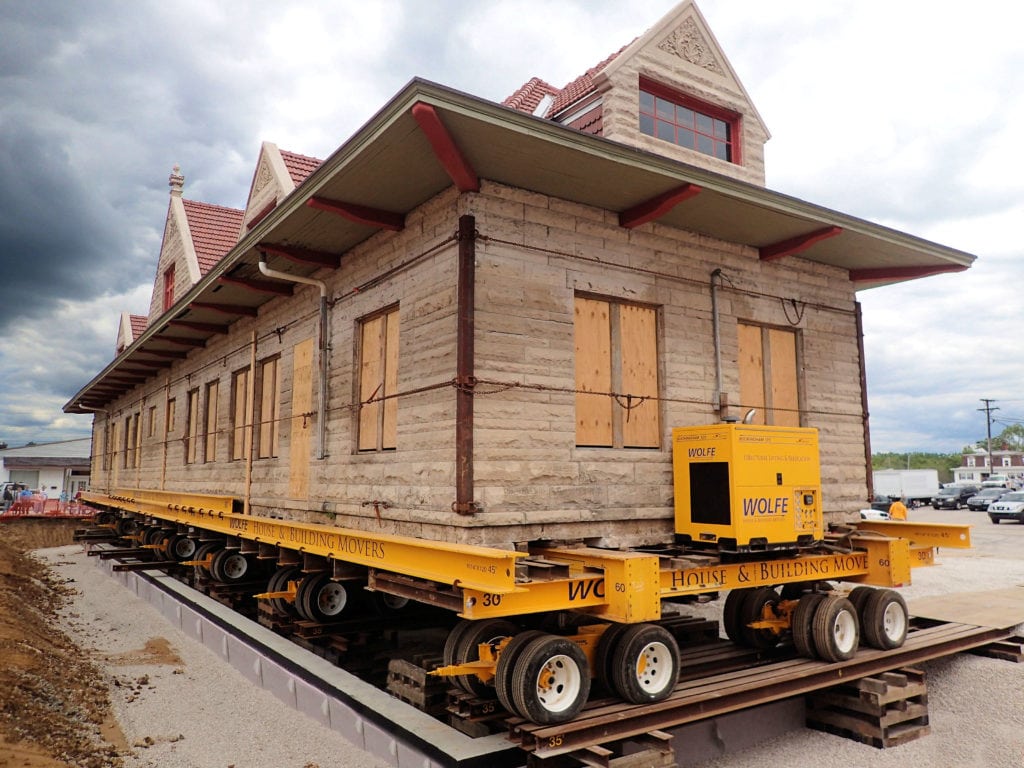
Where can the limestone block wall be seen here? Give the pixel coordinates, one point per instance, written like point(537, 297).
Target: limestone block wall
point(533, 255)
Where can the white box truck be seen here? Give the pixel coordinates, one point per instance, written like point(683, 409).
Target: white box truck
point(915, 486)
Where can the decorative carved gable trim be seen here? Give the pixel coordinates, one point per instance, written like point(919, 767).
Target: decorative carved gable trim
point(170, 232)
point(264, 176)
point(690, 45)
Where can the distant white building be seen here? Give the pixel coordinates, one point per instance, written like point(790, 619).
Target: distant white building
point(975, 467)
point(51, 468)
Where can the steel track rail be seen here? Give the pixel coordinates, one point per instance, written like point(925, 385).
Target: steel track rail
point(720, 694)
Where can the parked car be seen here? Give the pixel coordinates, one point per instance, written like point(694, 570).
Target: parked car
point(874, 514)
point(1010, 507)
point(953, 496)
point(984, 497)
point(881, 503)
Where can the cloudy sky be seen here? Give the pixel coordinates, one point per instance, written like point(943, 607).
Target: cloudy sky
point(904, 113)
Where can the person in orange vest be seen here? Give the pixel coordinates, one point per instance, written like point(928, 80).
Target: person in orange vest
point(898, 510)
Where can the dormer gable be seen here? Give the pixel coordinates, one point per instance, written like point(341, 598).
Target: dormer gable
point(129, 328)
point(694, 107)
point(196, 236)
point(278, 173)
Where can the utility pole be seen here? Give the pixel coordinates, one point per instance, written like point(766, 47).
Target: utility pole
point(988, 422)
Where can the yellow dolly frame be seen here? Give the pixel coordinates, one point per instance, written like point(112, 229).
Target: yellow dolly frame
point(546, 678)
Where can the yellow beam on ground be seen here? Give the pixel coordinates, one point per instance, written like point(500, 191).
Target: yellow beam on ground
point(922, 534)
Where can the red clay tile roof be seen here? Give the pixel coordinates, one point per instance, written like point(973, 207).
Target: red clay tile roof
point(138, 324)
point(529, 95)
point(299, 166)
point(581, 86)
point(214, 231)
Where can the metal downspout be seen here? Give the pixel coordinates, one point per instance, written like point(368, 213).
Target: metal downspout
point(321, 407)
point(465, 367)
point(864, 400)
point(716, 398)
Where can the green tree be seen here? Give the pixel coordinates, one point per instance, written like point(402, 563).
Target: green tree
point(943, 463)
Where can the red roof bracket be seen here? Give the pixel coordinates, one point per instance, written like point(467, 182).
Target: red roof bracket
point(278, 288)
point(445, 148)
point(226, 309)
point(301, 255)
point(201, 327)
point(360, 214)
point(657, 207)
point(797, 244)
point(881, 274)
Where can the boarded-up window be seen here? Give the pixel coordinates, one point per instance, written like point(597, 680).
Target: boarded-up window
point(378, 382)
point(241, 435)
point(768, 374)
point(192, 426)
point(617, 361)
point(268, 401)
point(129, 443)
point(210, 447)
point(137, 434)
point(170, 415)
point(151, 421)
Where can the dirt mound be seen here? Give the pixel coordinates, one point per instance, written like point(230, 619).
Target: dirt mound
point(53, 701)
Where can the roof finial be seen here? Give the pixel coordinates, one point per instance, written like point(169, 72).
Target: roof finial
point(176, 182)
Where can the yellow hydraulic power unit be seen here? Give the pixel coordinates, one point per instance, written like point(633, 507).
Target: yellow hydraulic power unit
point(747, 488)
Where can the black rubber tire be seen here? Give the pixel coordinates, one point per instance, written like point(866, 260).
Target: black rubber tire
point(604, 654)
point(506, 664)
point(279, 583)
point(802, 624)
point(858, 596)
point(750, 611)
point(387, 604)
point(550, 680)
point(452, 641)
point(161, 540)
point(320, 598)
point(125, 527)
point(490, 631)
point(645, 664)
point(181, 547)
point(229, 566)
point(885, 620)
point(836, 629)
point(152, 535)
point(204, 551)
point(731, 614)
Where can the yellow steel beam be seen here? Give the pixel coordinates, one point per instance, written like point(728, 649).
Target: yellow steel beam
point(923, 534)
point(757, 573)
point(488, 570)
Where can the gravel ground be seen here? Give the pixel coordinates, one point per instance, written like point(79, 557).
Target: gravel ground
point(179, 706)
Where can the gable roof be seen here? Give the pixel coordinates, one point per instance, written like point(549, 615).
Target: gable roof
point(214, 230)
point(299, 166)
point(415, 132)
point(138, 325)
point(528, 96)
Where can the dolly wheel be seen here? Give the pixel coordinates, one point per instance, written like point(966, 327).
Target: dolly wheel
point(204, 551)
point(753, 609)
point(279, 583)
point(550, 682)
point(320, 599)
point(181, 547)
point(802, 624)
point(885, 620)
point(229, 566)
point(836, 629)
point(645, 664)
point(506, 664)
point(484, 632)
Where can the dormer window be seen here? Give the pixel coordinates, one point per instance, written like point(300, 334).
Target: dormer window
point(687, 122)
point(169, 288)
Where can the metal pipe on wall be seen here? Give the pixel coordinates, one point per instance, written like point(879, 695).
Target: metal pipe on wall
point(321, 410)
point(465, 367)
point(716, 399)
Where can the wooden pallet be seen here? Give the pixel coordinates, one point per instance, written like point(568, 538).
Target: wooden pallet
point(883, 711)
point(408, 680)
